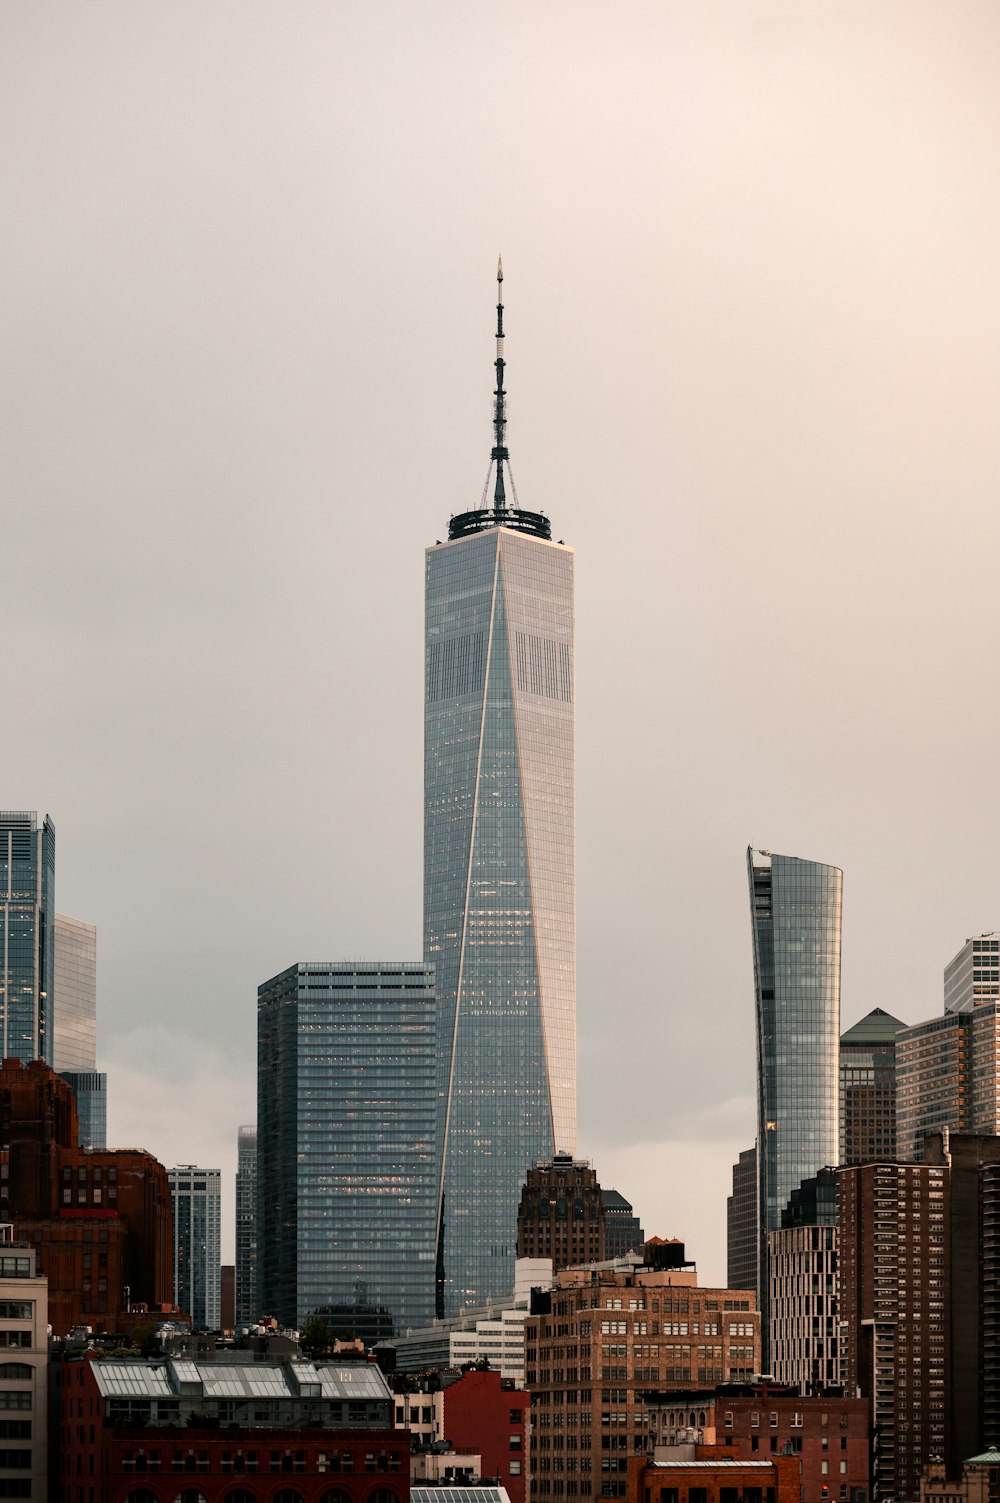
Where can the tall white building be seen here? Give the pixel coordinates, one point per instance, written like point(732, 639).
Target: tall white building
point(197, 1198)
point(499, 889)
point(973, 975)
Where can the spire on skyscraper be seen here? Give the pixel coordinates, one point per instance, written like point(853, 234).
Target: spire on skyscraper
point(500, 514)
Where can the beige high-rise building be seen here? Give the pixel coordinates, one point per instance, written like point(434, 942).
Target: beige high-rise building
point(610, 1334)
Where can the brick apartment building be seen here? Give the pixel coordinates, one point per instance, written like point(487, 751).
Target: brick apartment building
point(708, 1477)
point(829, 1434)
point(479, 1413)
point(99, 1221)
point(135, 1431)
point(604, 1337)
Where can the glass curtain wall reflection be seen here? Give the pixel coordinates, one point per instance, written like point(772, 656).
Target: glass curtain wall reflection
point(27, 934)
point(499, 895)
point(796, 921)
point(346, 1183)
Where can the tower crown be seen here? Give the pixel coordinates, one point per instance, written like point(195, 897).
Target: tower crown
point(500, 514)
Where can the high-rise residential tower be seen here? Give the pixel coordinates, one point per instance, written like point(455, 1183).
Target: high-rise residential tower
point(197, 1197)
point(795, 910)
point(74, 1026)
point(868, 1089)
point(499, 892)
point(27, 934)
point(973, 975)
point(246, 1226)
point(347, 1184)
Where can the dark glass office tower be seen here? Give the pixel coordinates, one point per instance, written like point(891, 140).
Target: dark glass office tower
point(346, 1181)
point(27, 934)
point(796, 918)
point(246, 1226)
point(499, 893)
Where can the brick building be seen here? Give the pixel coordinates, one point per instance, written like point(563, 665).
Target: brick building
point(704, 1477)
point(257, 1432)
point(100, 1221)
point(561, 1215)
point(829, 1434)
point(478, 1414)
point(600, 1340)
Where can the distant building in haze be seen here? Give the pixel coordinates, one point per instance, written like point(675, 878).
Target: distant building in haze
point(561, 1215)
point(74, 1014)
point(795, 911)
point(868, 1089)
point(247, 1310)
point(197, 1198)
point(622, 1228)
point(742, 1230)
point(346, 1188)
point(27, 934)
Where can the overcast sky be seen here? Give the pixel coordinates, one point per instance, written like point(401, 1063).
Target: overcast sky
point(753, 317)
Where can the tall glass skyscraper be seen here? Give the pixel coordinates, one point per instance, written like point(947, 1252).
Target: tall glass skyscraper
point(499, 888)
point(74, 1031)
point(346, 1187)
point(246, 1226)
point(27, 934)
point(795, 909)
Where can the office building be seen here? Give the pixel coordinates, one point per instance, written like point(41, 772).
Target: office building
point(561, 1215)
point(895, 1253)
point(499, 886)
point(868, 1089)
point(601, 1340)
point(246, 1226)
point(347, 1187)
point(828, 1433)
point(27, 934)
point(24, 1462)
point(197, 1201)
point(74, 1018)
point(804, 1296)
point(741, 1224)
point(973, 975)
point(796, 921)
point(948, 1076)
point(623, 1233)
point(100, 1222)
point(243, 1431)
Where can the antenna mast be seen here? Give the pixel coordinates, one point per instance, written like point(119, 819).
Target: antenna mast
point(500, 455)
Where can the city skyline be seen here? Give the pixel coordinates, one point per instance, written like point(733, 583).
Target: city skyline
point(757, 334)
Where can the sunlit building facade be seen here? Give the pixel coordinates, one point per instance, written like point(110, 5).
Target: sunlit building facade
point(27, 934)
point(347, 1183)
point(74, 1024)
point(499, 890)
point(796, 924)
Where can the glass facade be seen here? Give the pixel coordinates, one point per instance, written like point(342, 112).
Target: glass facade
point(27, 934)
point(499, 893)
point(197, 1198)
point(91, 1090)
point(347, 1189)
point(868, 1089)
point(796, 920)
point(246, 1226)
point(74, 1014)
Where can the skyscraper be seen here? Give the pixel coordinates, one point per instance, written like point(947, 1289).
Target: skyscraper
point(868, 1089)
point(499, 890)
point(973, 975)
point(347, 1189)
point(27, 934)
point(246, 1226)
point(74, 1025)
point(197, 1197)
point(741, 1224)
point(795, 910)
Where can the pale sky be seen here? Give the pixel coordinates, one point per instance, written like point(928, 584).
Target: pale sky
point(753, 317)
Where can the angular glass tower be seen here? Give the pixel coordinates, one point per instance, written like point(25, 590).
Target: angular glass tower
point(27, 935)
point(499, 882)
point(795, 909)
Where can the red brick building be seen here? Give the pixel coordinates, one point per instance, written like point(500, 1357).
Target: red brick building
point(708, 1478)
point(486, 1414)
point(158, 1432)
point(100, 1221)
point(828, 1436)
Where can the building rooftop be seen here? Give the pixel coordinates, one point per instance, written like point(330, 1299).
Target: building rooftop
point(358, 1382)
point(879, 1027)
point(459, 1495)
point(988, 1458)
